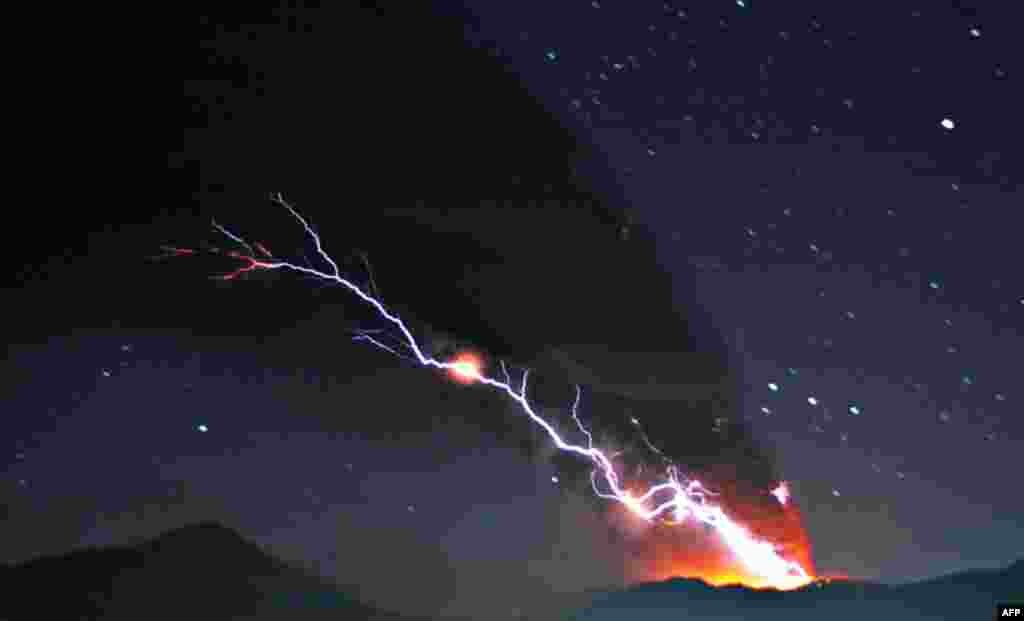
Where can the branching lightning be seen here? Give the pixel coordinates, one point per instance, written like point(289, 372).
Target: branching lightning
point(674, 500)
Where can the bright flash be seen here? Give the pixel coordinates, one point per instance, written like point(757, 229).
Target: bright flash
point(466, 368)
point(781, 493)
point(685, 498)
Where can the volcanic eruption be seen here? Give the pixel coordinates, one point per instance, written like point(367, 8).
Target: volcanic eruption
point(692, 430)
point(691, 551)
point(523, 249)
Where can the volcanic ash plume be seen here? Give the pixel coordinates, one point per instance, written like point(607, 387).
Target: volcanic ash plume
point(662, 421)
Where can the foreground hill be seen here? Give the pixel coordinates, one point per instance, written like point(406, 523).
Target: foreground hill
point(957, 597)
point(208, 571)
point(202, 571)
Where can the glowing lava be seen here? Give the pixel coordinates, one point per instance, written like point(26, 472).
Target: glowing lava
point(686, 553)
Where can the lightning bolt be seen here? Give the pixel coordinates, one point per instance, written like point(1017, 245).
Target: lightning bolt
point(676, 496)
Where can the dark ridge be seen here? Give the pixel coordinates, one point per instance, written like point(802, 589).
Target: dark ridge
point(199, 571)
point(208, 571)
point(956, 597)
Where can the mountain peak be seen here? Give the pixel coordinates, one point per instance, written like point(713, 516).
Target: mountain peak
point(213, 546)
point(200, 570)
point(207, 530)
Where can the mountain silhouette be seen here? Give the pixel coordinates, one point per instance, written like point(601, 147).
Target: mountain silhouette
point(960, 596)
point(199, 571)
point(208, 571)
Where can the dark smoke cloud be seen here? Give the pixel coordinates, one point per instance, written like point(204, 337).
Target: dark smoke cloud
point(507, 234)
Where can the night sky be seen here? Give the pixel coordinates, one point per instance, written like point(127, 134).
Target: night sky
point(810, 224)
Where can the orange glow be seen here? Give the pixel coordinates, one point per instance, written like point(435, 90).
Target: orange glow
point(834, 577)
point(467, 369)
point(690, 550)
point(721, 572)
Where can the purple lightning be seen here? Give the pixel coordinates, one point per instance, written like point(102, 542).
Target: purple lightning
point(676, 496)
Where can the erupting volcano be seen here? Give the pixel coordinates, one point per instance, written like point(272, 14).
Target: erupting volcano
point(688, 549)
point(763, 543)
